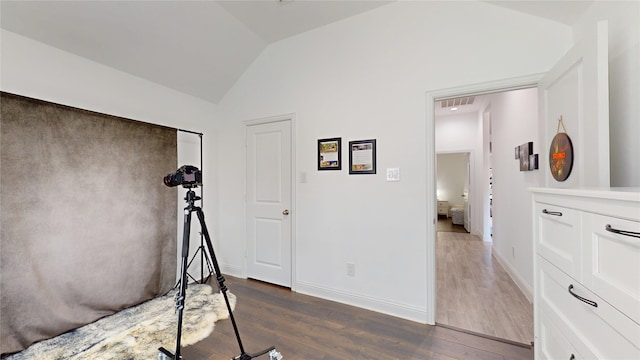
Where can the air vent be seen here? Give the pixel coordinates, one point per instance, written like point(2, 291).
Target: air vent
point(458, 101)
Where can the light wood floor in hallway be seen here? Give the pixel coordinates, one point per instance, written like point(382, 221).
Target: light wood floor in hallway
point(475, 293)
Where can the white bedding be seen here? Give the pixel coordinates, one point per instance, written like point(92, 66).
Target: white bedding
point(457, 215)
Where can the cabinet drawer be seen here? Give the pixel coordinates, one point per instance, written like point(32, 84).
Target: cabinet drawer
point(443, 208)
point(602, 329)
point(612, 262)
point(558, 237)
point(551, 344)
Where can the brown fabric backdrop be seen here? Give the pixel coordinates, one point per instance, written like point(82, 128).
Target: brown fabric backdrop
point(87, 225)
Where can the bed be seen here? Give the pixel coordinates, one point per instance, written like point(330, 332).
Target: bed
point(457, 214)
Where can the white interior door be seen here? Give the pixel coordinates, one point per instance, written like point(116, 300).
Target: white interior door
point(269, 202)
point(577, 88)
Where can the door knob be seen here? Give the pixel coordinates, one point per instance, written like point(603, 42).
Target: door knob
point(285, 212)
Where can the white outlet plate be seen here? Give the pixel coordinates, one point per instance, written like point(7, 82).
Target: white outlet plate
point(393, 174)
point(351, 269)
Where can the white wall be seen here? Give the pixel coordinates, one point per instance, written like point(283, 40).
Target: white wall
point(514, 117)
point(624, 84)
point(366, 77)
point(32, 69)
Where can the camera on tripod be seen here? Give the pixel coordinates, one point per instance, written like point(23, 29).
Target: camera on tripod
point(187, 175)
point(190, 177)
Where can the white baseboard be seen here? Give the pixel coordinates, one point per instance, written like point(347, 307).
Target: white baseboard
point(409, 312)
point(526, 289)
point(232, 270)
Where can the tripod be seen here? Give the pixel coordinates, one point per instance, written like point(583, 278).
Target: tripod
point(204, 260)
point(164, 354)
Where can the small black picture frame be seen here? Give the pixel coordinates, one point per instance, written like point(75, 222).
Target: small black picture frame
point(362, 157)
point(330, 154)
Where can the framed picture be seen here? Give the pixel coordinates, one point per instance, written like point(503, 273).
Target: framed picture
point(362, 157)
point(330, 154)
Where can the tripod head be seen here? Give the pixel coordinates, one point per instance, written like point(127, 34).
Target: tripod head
point(191, 196)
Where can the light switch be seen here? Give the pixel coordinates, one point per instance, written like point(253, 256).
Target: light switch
point(303, 177)
point(393, 174)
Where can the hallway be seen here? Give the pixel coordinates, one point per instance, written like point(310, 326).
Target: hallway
point(476, 294)
point(446, 224)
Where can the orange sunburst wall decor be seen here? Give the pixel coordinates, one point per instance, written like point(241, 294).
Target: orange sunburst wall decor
point(561, 154)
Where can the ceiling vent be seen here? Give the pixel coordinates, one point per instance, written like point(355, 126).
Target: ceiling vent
point(458, 101)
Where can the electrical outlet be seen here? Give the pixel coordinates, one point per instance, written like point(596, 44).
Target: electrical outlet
point(351, 269)
point(393, 174)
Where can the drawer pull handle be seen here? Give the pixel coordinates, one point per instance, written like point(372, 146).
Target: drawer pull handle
point(590, 302)
point(555, 213)
point(622, 232)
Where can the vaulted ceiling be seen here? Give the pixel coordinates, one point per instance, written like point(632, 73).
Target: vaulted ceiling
point(199, 48)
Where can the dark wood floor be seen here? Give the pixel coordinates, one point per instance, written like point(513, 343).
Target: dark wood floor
point(305, 327)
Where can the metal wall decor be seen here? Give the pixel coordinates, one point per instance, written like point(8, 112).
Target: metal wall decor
point(526, 149)
point(527, 159)
point(561, 154)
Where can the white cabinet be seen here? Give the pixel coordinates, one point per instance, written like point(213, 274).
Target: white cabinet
point(443, 208)
point(614, 266)
point(586, 274)
point(553, 344)
point(559, 237)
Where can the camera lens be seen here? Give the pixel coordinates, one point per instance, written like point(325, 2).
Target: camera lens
point(172, 180)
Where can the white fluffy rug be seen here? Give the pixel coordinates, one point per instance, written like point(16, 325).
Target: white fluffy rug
point(137, 332)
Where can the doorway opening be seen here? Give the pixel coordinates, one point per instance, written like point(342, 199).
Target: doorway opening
point(470, 275)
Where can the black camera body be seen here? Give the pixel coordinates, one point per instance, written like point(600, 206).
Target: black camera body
point(187, 175)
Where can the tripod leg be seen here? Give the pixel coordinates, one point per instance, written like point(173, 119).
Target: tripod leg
point(220, 279)
point(180, 297)
point(164, 354)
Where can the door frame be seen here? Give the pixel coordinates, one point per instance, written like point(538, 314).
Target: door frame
point(516, 83)
point(293, 213)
